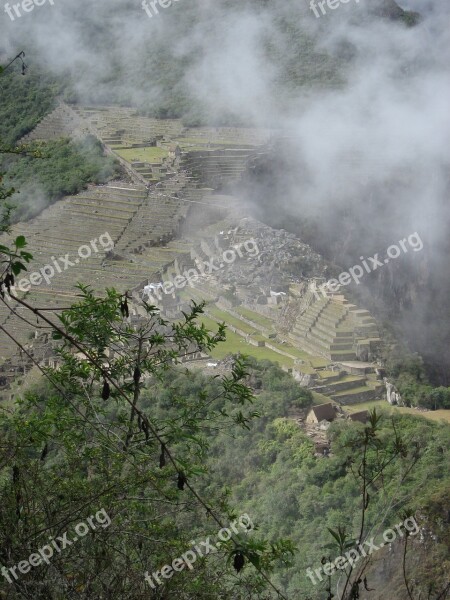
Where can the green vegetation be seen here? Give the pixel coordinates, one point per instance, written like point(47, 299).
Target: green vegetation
point(44, 172)
point(12, 259)
point(63, 168)
point(24, 101)
point(411, 18)
point(409, 375)
point(172, 455)
point(135, 447)
point(274, 475)
point(319, 398)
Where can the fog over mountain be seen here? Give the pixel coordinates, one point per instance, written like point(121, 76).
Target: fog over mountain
point(360, 99)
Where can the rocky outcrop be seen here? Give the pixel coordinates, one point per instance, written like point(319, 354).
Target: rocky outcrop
point(392, 394)
point(389, 9)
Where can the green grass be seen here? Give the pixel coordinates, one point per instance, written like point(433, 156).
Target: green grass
point(259, 338)
point(307, 370)
point(230, 320)
point(150, 155)
point(318, 362)
point(255, 317)
point(351, 378)
point(320, 398)
point(300, 354)
point(352, 391)
point(236, 343)
point(326, 374)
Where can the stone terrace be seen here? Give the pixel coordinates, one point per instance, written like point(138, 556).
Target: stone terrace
point(335, 329)
point(122, 127)
point(62, 122)
point(62, 228)
point(143, 224)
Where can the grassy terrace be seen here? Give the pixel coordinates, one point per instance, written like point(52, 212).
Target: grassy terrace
point(346, 378)
point(357, 390)
point(196, 147)
point(149, 155)
point(326, 374)
point(320, 398)
point(311, 362)
point(437, 415)
point(305, 369)
point(301, 354)
point(255, 317)
point(202, 140)
point(222, 315)
point(236, 343)
point(318, 362)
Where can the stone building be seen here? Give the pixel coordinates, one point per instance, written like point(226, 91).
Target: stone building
point(321, 412)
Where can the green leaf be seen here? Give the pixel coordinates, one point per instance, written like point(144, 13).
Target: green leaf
point(17, 267)
point(20, 242)
point(336, 536)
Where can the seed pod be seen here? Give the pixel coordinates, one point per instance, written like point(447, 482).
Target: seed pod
point(124, 308)
point(239, 561)
point(145, 428)
point(106, 391)
point(162, 457)
point(44, 451)
point(8, 282)
point(366, 586)
point(181, 481)
point(127, 441)
point(16, 474)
